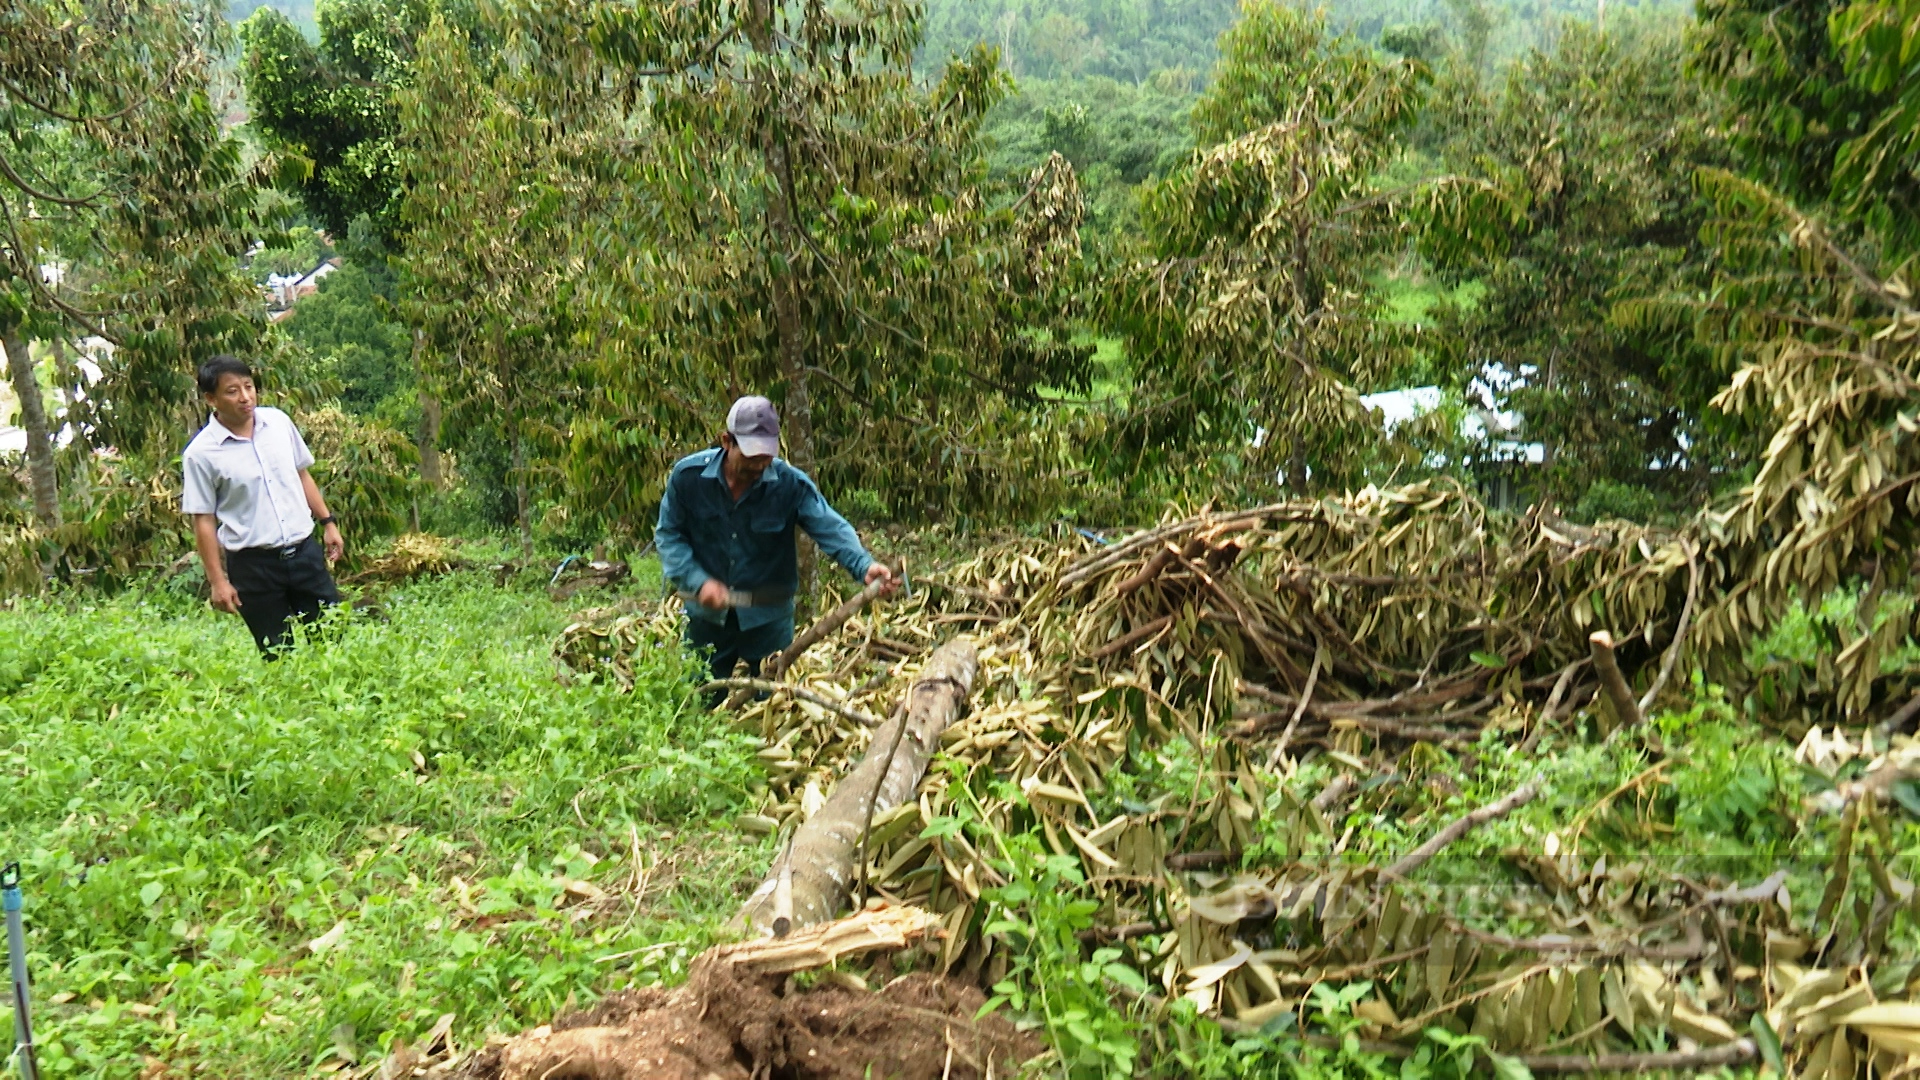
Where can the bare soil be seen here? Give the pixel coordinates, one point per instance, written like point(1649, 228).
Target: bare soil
point(726, 1024)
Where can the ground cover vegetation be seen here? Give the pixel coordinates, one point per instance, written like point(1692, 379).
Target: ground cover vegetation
point(1049, 267)
point(262, 870)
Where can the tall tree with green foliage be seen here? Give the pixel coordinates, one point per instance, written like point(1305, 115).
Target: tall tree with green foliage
point(123, 208)
point(1821, 105)
point(1877, 173)
point(337, 104)
point(1254, 313)
point(1598, 141)
point(495, 202)
point(334, 102)
point(795, 213)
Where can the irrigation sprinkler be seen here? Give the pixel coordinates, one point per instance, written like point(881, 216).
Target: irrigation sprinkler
point(17, 958)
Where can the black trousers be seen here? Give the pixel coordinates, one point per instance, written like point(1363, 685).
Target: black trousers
point(279, 585)
point(732, 646)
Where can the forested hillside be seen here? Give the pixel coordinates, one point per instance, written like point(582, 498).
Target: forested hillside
point(1383, 537)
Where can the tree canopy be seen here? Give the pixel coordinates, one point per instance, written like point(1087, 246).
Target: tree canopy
point(333, 102)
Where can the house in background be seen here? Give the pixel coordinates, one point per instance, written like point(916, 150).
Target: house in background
point(286, 290)
point(89, 354)
point(13, 440)
point(1500, 458)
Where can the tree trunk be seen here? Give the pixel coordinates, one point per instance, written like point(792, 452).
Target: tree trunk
point(33, 417)
point(1626, 711)
point(823, 859)
point(796, 426)
point(428, 440)
point(427, 437)
point(1297, 467)
point(1547, 445)
point(521, 497)
point(68, 375)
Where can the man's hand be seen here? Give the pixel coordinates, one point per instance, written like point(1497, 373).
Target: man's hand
point(713, 595)
point(334, 544)
point(878, 572)
point(225, 597)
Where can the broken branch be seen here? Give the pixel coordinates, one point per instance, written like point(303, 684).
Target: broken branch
point(1418, 857)
point(827, 624)
point(1612, 683)
point(823, 850)
point(768, 686)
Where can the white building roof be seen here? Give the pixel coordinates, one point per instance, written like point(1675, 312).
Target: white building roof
point(1490, 427)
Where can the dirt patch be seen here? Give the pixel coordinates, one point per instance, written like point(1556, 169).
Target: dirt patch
point(726, 1024)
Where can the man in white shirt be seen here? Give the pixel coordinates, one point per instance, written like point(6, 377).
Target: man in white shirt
point(254, 508)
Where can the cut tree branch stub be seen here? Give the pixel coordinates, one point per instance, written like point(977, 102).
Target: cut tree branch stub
point(1619, 695)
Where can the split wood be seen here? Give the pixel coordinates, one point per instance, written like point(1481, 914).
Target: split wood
point(879, 926)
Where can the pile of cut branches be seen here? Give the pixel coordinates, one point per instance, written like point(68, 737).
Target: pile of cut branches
point(1146, 708)
point(413, 555)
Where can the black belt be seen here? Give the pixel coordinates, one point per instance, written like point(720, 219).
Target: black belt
point(282, 553)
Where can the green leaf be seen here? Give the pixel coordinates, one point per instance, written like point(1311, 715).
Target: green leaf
point(1280, 1024)
point(1126, 977)
point(150, 892)
point(941, 826)
point(1510, 1068)
point(1489, 660)
point(1768, 1041)
point(1907, 794)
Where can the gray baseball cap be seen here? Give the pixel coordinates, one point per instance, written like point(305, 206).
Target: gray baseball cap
point(755, 425)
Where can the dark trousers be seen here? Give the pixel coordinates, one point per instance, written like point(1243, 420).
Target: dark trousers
point(278, 585)
point(732, 646)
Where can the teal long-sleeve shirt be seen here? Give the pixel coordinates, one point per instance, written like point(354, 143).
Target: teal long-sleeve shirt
point(703, 534)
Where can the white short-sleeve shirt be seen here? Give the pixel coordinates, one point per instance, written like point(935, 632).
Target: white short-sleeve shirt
point(251, 486)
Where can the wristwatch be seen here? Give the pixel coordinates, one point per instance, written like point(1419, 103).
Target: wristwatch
point(325, 521)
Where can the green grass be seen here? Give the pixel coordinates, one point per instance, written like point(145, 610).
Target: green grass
point(1112, 378)
point(190, 819)
point(1410, 299)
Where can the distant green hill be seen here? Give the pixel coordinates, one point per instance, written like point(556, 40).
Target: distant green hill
point(1134, 40)
point(1128, 40)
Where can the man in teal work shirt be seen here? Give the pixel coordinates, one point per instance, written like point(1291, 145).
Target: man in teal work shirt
point(726, 542)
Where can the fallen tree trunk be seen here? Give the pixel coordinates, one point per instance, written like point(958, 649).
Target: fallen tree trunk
point(823, 856)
